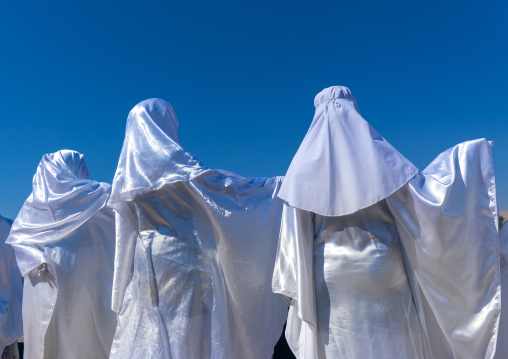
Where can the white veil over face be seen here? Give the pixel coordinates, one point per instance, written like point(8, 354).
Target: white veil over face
point(152, 154)
point(343, 164)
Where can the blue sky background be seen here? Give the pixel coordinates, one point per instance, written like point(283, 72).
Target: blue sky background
point(242, 77)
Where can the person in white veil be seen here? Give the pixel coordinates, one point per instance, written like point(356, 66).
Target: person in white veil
point(64, 240)
point(195, 250)
point(379, 260)
point(11, 291)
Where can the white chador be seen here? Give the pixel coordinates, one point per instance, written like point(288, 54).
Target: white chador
point(379, 260)
point(502, 338)
point(11, 289)
point(64, 239)
point(195, 250)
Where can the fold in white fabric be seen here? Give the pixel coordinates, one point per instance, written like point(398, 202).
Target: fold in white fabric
point(502, 337)
point(339, 149)
point(414, 275)
point(11, 290)
point(195, 250)
point(63, 238)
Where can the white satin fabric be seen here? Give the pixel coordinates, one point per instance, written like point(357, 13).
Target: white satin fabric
point(340, 148)
point(347, 286)
point(11, 291)
point(64, 243)
point(502, 337)
point(151, 137)
point(414, 275)
point(195, 250)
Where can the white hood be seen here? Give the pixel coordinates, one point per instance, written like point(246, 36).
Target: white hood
point(151, 154)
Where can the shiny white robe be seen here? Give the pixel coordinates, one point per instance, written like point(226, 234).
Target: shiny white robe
point(11, 289)
point(64, 243)
point(195, 251)
point(379, 260)
point(415, 276)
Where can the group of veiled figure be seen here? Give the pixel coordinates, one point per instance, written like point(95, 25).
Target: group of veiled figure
point(356, 250)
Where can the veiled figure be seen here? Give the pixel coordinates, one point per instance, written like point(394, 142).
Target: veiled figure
point(195, 250)
point(379, 260)
point(64, 239)
point(11, 291)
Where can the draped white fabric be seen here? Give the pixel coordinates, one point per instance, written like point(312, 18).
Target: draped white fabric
point(195, 250)
point(151, 137)
point(447, 220)
point(11, 290)
point(349, 292)
point(502, 338)
point(339, 149)
point(414, 275)
point(64, 243)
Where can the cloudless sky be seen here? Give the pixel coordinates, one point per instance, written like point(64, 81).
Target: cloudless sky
point(242, 77)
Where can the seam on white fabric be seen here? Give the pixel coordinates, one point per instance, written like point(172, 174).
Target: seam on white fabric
point(335, 99)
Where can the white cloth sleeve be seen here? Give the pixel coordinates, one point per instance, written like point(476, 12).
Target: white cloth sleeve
point(447, 220)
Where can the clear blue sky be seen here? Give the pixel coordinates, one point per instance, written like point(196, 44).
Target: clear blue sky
point(242, 77)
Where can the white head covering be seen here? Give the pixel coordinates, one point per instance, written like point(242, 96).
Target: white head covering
point(343, 164)
point(152, 154)
point(63, 197)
